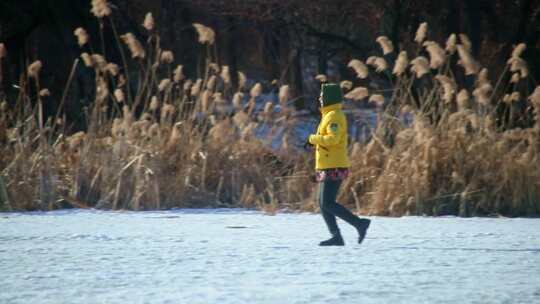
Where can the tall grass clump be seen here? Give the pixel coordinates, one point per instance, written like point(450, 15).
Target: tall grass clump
point(472, 148)
point(167, 142)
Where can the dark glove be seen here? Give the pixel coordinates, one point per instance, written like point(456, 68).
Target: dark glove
point(308, 145)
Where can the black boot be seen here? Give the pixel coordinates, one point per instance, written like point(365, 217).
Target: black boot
point(362, 227)
point(336, 240)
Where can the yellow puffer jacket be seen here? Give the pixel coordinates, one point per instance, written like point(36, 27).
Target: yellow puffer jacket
point(331, 139)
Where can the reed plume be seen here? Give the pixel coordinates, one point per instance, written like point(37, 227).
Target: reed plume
point(102, 90)
point(206, 101)
point(256, 90)
point(3, 51)
point(420, 66)
point(386, 44)
point(346, 84)
point(482, 94)
point(196, 88)
point(119, 95)
point(483, 77)
point(148, 22)
point(377, 99)
point(87, 60)
point(515, 78)
point(214, 67)
point(358, 93)
point(100, 8)
point(449, 87)
point(321, 78)
point(534, 99)
point(164, 84)
point(82, 36)
point(378, 63)
point(401, 65)
point(237, 100)
point(511, 98)
point(436, 54)
point(242, 80)
point(518, 50)
point(465, 42)
point(211, 83)
point(187, 86)
point(167, 57)
point(167, 112)
point(518, 65)
point(225, 74)
point(154, 103)
point(451, 44)
point(206, 34)
point(467, 61)
point(462, 100)
point(99, 62)
point(34, 69)
point(134, 46)
point(112, 69)
point(284, 94)
point(178, 74)
point(359, 67)
point(44, 92)
point(268, 108)
point(421, 33)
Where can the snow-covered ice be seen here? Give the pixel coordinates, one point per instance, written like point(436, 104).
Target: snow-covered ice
point(239, 256)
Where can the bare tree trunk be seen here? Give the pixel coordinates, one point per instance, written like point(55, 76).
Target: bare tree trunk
point(396, 25)
point(454, 17)
point(168, 17)
point(230, 45)
point(475, 22)
point(296, 78)
point(271, 51)
point(525, 11)
point(322, 61)
point(4, 199)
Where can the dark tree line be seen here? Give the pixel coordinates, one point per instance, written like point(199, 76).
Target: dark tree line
point(268, 39)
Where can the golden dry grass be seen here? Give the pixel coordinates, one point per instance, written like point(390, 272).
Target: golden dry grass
point(465, 153)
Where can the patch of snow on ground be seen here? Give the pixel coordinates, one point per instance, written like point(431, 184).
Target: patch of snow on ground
point(239, 256)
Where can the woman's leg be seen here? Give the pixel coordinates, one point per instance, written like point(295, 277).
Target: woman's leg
point(329, 191)
point(330, 209)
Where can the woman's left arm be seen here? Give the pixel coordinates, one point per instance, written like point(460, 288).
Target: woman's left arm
point(334, 130)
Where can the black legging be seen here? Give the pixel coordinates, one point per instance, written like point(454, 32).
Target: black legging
point(330, 208)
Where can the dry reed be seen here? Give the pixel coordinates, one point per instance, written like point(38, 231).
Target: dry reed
point(184, 149)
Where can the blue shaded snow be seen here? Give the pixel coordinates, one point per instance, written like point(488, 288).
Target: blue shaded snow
point(243, 256)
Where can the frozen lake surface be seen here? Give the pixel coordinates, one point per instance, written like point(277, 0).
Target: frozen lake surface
point(236, 256)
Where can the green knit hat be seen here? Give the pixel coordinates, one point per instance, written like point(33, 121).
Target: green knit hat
point(331, 94)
